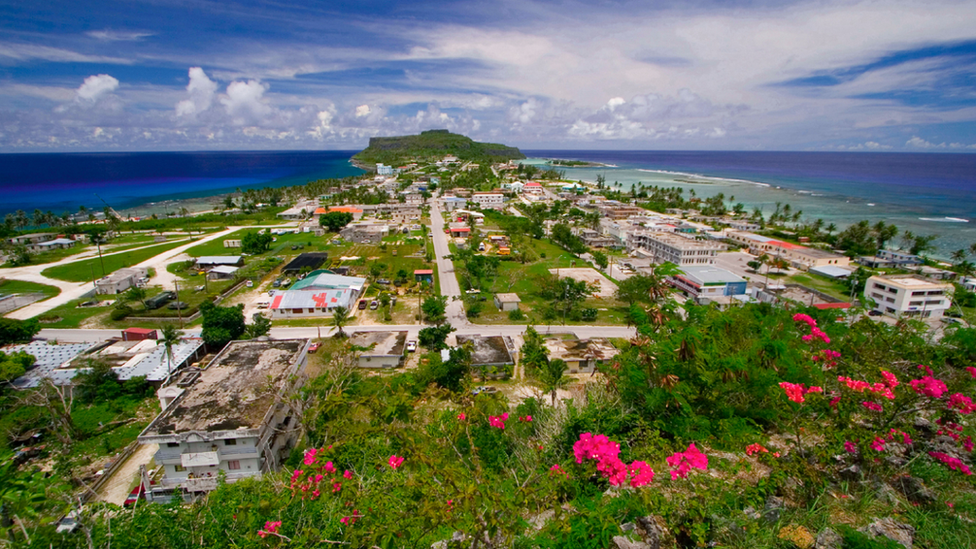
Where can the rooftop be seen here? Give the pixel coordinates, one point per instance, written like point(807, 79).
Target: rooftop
point(487, 350)
point(508, 298)
point(49, 360)
point(311, 298)
point(380, 343)
point(235, 391)
point(909, 281)
point(326, 280)
point(597, 348)
point(218, 260)
point(312, 260)
point(711, 275)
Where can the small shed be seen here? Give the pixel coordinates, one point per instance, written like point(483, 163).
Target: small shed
point(424, 275)
point(138, 334)
point(222, 272)
point(831, 271)
point(507, 302)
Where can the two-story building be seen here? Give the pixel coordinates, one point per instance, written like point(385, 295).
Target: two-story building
point(493, 200)
point(664, 247)
point(232, 419)
point(896, 295)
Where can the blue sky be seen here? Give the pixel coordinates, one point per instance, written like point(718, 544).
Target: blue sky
point(699, 74)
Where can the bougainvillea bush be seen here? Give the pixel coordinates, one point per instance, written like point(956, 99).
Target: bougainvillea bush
point(699, 424)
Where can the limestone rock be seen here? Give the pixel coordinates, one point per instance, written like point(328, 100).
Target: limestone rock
point(898, 532)
point(850, 473)
point(828, 539)
point(773, 509)
point(620, 542)
point(751, 513)
point(652, 531)
point(915, 490)
point(798, 535)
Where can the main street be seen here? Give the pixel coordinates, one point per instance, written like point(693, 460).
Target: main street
point(445, 267)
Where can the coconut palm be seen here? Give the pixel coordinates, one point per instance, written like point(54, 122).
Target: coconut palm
point(340, 317)
point(170, 337)
point(551, 374)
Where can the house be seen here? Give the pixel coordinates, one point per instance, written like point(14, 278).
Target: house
point(533, 187)
point(705, 283)
point(459, 230)
point(616, 210)
point(325, 279)
point(120, 281)
point(357, 213)
point(229, 421)
point(799, 256)
point(664, 247)
point(383, 169)
point(507, 302)
point(383, 349)
point(900, 259)
point(594, 239)
point(492, 200)
point(222, 272)
point(31, 241)
point(56, 244)
point(832, 271)
point(909, 295)
point(452, 203)
point(490, 354)
point(581, 355)
point(299, 211)
point(316, 295)
point(362, 233)
point(207, 262)
point(424, 275)
point(308, 260)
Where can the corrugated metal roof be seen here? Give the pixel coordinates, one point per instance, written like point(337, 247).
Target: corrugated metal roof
point(306, 299)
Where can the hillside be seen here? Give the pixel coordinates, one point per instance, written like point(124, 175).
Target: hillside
point(432, 144)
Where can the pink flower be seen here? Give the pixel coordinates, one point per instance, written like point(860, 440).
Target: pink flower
point(906, 439)
point(557, 469)
point(269, 528)
point(395, 462)
point(949, 503)
point(318, 478)
point(962, 403)
point(498, 421)
point(834, 401)
point(952, 463)
point(310, 456)
point(295, 474)
point(968, 444)
point(794, 391)
point(890, 380)
point(641, 474)
point(347, 520)
point(873, 406)
point(850, 447)
point(928, 386)
point(755, 449)
point(329, 467)
point(462, 417)
point(347, 474)
point(878, 444)
point(682, 462)
point(971, 370)
point(926, 368)
point(336, 487)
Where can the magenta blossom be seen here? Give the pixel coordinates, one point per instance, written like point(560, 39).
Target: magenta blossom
point(310, 456)
point(873, 406)
point(270, 528)
point(347, 474)
point(850, 447)
point(395, 462)
point(498, 421)
point(928, 386)
point(952, 463)
point(682, 462)
point(462, 417)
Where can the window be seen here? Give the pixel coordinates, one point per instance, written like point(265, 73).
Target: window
point(230, 442)
point(172, 444)
point(180, 468)
point(234, 465)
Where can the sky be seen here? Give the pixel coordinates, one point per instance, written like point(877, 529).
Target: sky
point(888, 75)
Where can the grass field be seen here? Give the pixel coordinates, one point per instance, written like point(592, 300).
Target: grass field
point(70, 315)
point(81, 271)
point(830, 287)
point(22, 287)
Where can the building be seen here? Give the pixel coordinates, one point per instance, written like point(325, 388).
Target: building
point(452, 203)
point(138, 334)
point(706, 283)
point(299, 211)
point(316, 295)
point(230, 420)
point(210, 261)
point(890, 258)
point(491, 355)
point(384, 349)
point(232, 243)
point(910, 295)
point(533, 187)
point(617, 210)
point(594, 239)
point(120, 281)
point(668, 247)
point(507, 302)
point(789, 295)
point(222, 272)
point(383, 169)
point(424, 275)
point(357, 213)
point(56, 244)
point(800, 257)
point(581, 355)
point(459, 230)
point(492, 200)
point(362, 233)
point(31, 241)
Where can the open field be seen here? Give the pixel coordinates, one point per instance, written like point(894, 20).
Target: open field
point(22, 287)
point(81, 271)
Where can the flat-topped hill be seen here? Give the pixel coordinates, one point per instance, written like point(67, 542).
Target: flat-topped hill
point(433, 144)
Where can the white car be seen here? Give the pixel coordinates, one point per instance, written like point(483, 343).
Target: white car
point(411, 346)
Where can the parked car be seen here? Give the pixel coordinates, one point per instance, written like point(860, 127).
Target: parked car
point(411, 346)
point(383, 281)
point(314, 347)
point(374, 305)
point(276, 283)
point(362, 304)
point(874, 313)
point(249, 284)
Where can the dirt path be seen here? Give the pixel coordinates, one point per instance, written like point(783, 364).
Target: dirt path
point(117, 488)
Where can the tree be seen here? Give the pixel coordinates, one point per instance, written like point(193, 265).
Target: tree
point(260, 326)
point(340, 317)
point(254, 242)
point(170, 337)
point(600, 259)
point(96, 235)
point(883, 233)
point(754, 265)
point(552, 375)
point(636, 289)
point(18, 331)
point(221, 325)
point(533, 352)
point(98, 382)
point(137, 293)
point(434, 338)
point(858, 239)
point(564, 294)
point(14, 365)
point(433, 309)
point(449, 374)
point(922, 244)
point(334, 221)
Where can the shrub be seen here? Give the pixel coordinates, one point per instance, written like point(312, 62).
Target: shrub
point(516, 314)
point(588, 314)
point(119, 313)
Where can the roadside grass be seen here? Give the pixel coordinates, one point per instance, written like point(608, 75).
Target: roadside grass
point(70, 315)
point(51, 256)
point(8, 286)
point(823, 284)
point(81, 271)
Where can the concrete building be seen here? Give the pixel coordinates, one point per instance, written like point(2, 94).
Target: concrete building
point(207, 262)
point(362, 233)
point(800, 257)
point(668, 247)
point(232, 243)
point(909, 295)
point(119, 281)
point(56, 244)
point(790, 295)
point(452, 203)
point(222, 272)
point(618, 210)
point(890, 258)
point(581, 355)
point(507, 302)
point(384, 349)
point(31, 241)
point(492, 355)
point(704, 284)
point(424, 275)
point(383, 169)
point(317, 295)
point(233, 417)
point(492, 200)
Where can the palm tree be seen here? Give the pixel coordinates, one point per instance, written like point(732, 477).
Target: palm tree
point(137, 293)
point(958, 256)
point(97, 237)
point(830, 228)
point(551, 374)
point(170, 337)
point(972, 248)
point(340, 317)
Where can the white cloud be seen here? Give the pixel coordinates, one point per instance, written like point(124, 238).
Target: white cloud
point(95, 87)
point(362, 110)
point(245, 102)
point(961, 146)
point(201, 90)
point(31, 52)
point(615, 102)
point(118, 36)
point(919, 143)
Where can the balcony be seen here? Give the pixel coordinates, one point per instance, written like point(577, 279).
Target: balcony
point(200, 484)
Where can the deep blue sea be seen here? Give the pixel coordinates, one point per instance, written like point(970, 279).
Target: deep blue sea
point(63, 182)
point(924, 193)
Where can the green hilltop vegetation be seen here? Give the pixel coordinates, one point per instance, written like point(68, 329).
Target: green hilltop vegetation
point(433, 145)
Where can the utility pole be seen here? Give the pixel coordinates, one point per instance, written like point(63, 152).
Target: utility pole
point(179, 310)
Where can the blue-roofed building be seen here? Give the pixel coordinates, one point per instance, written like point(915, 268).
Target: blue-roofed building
point(704, 284)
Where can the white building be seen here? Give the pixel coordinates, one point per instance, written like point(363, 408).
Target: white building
point(493, 200)
point(119, 281)
point(383, 169)
point(908, 295)
point(230, 418)
point(705, 284)
point(669, 247)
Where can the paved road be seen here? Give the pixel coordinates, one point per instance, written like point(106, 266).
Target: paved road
point(445, 268)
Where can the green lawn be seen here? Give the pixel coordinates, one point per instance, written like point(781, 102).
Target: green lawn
point(81, 271)
point(70, 315)
point(828, 286)
point(22, 287)
point(55, 255)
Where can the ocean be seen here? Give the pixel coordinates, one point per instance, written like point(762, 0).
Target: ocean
point(920, 192)
point(924, 193)
point(143, 183)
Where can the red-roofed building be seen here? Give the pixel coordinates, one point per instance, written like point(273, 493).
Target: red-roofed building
point(424, 275)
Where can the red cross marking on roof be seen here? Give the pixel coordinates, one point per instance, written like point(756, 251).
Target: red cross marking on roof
point(320, 299)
